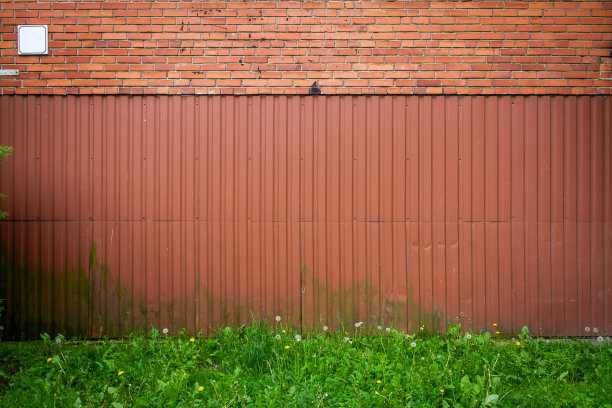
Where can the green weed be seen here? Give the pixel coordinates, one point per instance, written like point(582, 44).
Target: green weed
point(261, 366)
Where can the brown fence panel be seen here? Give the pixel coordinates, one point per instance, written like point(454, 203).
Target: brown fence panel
point(199, 211)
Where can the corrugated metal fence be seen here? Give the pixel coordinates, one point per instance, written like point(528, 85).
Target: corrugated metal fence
point(197, 211)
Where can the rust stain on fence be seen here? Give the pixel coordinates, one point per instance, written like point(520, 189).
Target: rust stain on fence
point(196, 211)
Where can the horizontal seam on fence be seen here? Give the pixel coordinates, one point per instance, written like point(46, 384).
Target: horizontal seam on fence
point(317, 221)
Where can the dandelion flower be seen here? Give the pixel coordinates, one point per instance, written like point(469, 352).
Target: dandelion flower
point(587, 329)
point(468, 336)
point(325, 328)
point(120, 373)
point(413, 344)
point(165, 331)
point(442, 390)
point(192, 339)
point(283, 331)
point(49, 359)
point(600, 339)
point(298, 338)
point(194, 357)
point(287, 347)
point(496, 332)
point(200, 388)
point(518, 343)
point(278, 318)
point(595, 330)
point(277, 337)
point(378, 381)
point(494, 324)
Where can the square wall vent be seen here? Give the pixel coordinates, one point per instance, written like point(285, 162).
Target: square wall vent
point(33, 40)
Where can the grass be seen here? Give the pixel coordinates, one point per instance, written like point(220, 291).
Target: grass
point(274, 367)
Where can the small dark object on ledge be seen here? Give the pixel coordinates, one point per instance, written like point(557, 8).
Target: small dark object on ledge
point(314, 89)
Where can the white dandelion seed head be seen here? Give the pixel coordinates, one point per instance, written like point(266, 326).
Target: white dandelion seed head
point(278, 318)
point(600, 338)
point(350, 342)
point(379, 328)
point(165, 331)
point(357, 324)
point(346, 339)
point(58, 340)
point(422, 358)
point(413, 344)
point(314, 355)
point(548, 340)
point(595, 330)
point(587, 329)
point(277, 337)
point(468, 336)
point(1, 327)
point(298, 337)
point(407, 336)
point(421, 328)
point(388, 330)
point(325, 328)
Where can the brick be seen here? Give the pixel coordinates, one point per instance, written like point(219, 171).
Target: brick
point(167, 45)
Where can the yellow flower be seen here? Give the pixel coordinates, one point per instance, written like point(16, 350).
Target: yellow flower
point(200, 388)
point(194, 357)
point(518, 343)
point(496, 332)
point(120, 373)
point(377, 381)
point(192, 339)
point(283, 331)
point(184, 374)
point(49, 360)
point(494, 324)
point(287, 347)
point(442, 390)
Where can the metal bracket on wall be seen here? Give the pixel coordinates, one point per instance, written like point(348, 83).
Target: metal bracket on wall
point(9, 72)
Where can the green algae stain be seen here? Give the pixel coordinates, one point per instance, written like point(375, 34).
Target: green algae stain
point(361, 301)
point(42, 299)
point(96, 302)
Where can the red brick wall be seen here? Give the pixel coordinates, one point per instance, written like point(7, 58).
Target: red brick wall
point(355, 47)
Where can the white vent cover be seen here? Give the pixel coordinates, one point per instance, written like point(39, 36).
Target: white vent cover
point(33, 40)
